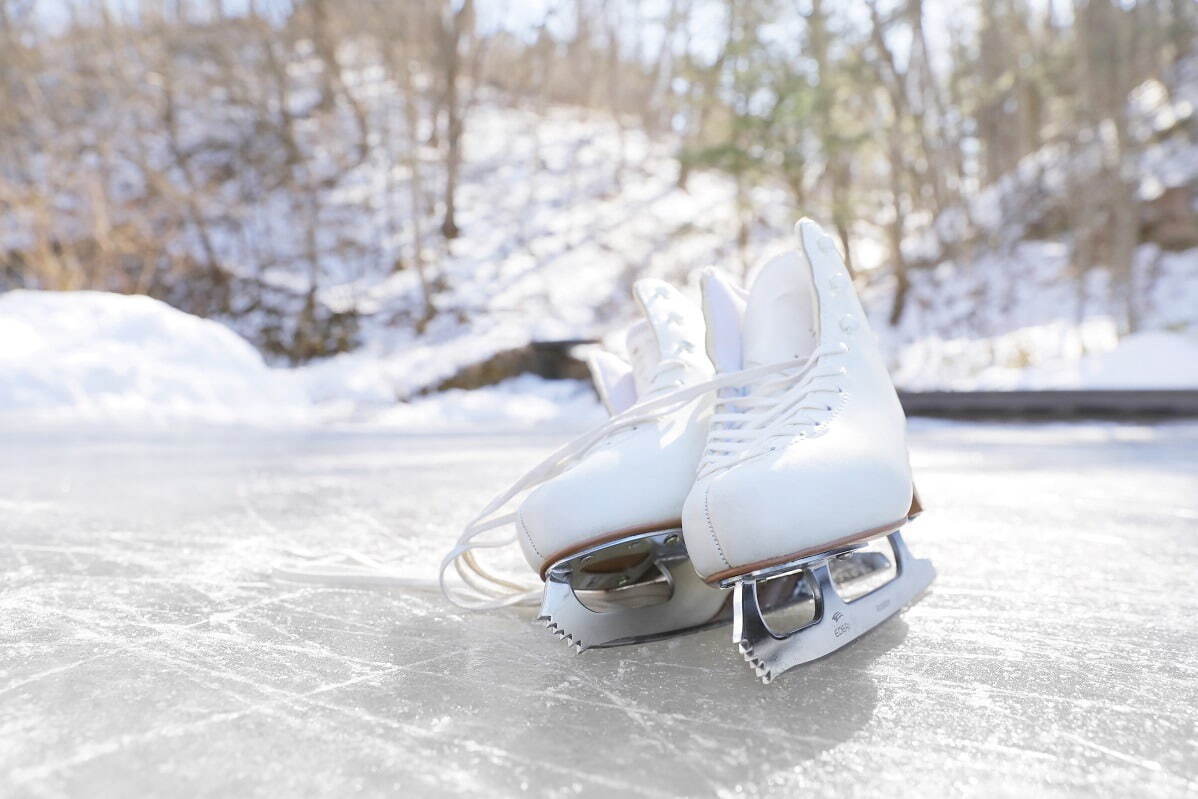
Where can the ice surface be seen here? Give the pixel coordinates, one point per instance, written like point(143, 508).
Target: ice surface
point(143, 650)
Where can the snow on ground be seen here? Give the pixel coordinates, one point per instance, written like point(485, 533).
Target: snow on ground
point(554, 232)
point(553, 237)
point(1151, 360)
point(1016, 319)
point(525, 403)
point(1012, 314)
point(560, 210)
point(94, 357)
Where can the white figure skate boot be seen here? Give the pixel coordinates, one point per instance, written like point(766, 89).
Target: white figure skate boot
point(806, 458)
point(606, 535)
point(601, 524)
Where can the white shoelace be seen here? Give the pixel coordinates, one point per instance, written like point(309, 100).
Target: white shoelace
point(779, 404)
point(485, 589)
point(770, 392)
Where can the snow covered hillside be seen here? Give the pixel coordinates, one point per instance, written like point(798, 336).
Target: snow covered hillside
point(553, 235)
point(1011, 312)
point(1016, 319)
point(552, 241)
point(553, 256)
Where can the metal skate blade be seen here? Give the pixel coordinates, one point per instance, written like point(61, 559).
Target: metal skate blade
point(654, 589)
point(670, 599)
point(692, 604)
point(836, 622)
point(636, 589)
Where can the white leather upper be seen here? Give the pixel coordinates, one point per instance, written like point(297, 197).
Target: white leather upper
point(779, 321)
point(723, 304)
point(845, 476)
point(613, 379)
point(638, 478)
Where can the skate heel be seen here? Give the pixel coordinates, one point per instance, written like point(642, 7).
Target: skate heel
point(916, 504)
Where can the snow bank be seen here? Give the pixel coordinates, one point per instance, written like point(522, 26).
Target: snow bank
point(522, 404)
point(92, 356)
point(1017, 319)
point(1144, 360)
point(1149, 360)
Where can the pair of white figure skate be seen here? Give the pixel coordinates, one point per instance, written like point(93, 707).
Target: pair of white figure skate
point(763, 466)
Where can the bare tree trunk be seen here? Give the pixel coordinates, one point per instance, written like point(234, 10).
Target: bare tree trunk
point(895, 230)
point(415, 185)
point(837, 172)
point(707, 102)
point(1125, 206)
point(1106, 43)
point(452, 30)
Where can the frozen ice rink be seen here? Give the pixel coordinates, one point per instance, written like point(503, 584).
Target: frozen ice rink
point(145, 650)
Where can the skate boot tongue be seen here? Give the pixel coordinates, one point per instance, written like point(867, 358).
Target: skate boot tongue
point(663, 348)
point(613, 381)
point(723, 310)
point(781, 316)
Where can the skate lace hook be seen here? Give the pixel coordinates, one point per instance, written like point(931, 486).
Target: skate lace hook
point(483, 589)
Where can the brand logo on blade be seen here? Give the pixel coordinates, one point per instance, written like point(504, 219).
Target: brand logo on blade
point(840, 624)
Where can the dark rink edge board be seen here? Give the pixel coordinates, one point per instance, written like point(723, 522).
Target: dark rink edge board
point(1180, 403)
